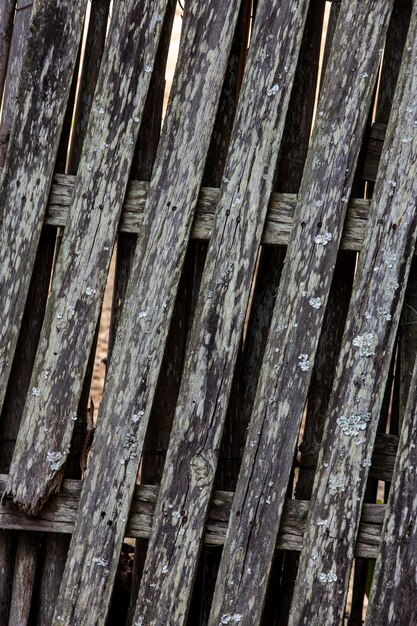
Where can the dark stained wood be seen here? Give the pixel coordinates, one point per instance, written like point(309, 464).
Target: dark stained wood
point(138, 352)
point(299, 311)
point(368, 343)
point(85, 253)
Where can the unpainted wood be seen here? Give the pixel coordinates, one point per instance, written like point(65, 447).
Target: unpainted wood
point(362, 371)
point(7, 9)
point(85, 253)
point(299, 311)
point(138, 351)
point(60, 513)
point(23, 579)
point(45, 80)
point(186, 486)
point(393, 599)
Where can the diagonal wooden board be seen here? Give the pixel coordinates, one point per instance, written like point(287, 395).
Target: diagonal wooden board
point(51, 52)
point(299, 311)
point(80, 275)
point(190, 466)
point(393, 599)
point(352, 418)
point(138, 351)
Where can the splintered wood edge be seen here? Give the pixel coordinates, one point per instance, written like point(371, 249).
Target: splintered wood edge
point(277, 228)
point(59, 515)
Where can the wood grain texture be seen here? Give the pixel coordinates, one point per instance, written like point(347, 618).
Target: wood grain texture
point(299, 311)
point(138, 350)
point(393, 599)
point(85, 253)
point(23, 579)
point(278, 224)
point(364, 362)
point(60, 513)
point(44, 87)
point(7, 8)
point(187, 485)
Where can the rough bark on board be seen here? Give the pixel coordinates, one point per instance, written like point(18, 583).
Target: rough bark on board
point(368, 342)
point(278, 224)
point(59, 515)
point(138, 351)
point(299, 311)
point(7, 8)
point(393, 599)
point(85, 253)
point(44, 87)
point(192, 455)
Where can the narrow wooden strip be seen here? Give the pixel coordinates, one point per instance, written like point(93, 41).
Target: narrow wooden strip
point(23, 579)
point(299, 311)
point(7, 8)
point(44, 87)
point(364, 362)
point(393, 598)
point(60, 513)
point(85, 253)
point(136, 360)
point(186, 486)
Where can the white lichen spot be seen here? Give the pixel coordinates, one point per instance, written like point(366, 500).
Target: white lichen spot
point(390, 260)
point(406, 140)
point(323, 522)
point(273, 90)
point(129, 440)
point(344, 198)
point(71, 310)
point(368, 315)
point(384, 313)
point(136, 417)
point(100, 561)
point(55, 460)
point(90, 291)
point(329, 577)
point(315, 303)
point(364, 75)
point(148, 69)
point(176, 514)
point(354, 424)
point(164, 569)
point(304, 362)
point(323, 239)
point(74, 417)
point(229, 618)
point(366, 463)
point(59, 316)
point(136, 119)
point(337, 483)
point(36, 392)
point(364, 343)
point(392, 184)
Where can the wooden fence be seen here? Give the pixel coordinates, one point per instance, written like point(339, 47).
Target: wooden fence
point(253, 459)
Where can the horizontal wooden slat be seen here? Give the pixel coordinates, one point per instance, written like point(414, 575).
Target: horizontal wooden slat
point(277, 228)
point(59, 514)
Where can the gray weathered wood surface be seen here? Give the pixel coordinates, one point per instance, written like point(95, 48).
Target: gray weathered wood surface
point(393, 599)
point(138, 350)
point(85, 253)
point(186, 486)
point(44, 87)
point(299, 310)
point(354, 407)
point(60, 513)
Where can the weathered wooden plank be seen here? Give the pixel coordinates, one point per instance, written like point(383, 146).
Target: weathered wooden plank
point(364, 362)
point(7, 9)
point(44, 87)
point(393, 598)
point(85, 253)
point(186, 487)
point(278, 222)
point(23, 579)
point(138, 351)
point(60, 513)
point(299, 311)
